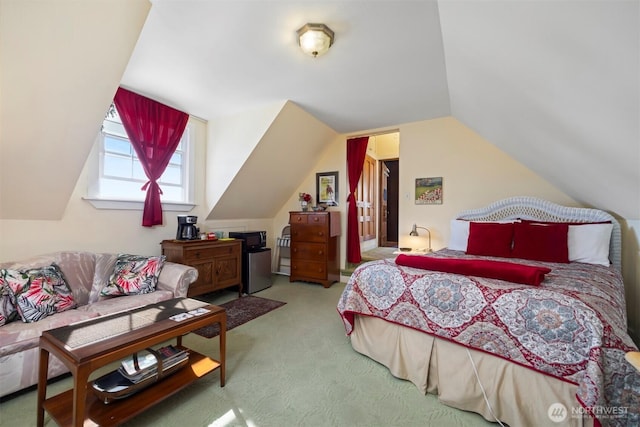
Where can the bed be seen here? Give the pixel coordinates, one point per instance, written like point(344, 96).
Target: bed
point(522, 349)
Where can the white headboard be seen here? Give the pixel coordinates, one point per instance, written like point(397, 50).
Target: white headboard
point(541, 210)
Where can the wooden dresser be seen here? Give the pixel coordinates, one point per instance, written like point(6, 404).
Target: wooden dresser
point(219, 262)
point(315, 247)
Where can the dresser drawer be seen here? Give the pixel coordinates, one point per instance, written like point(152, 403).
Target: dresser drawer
point(196, 254)
point(309, 251)
point(317, 218)
point(298, 219)
point(310, 233)
point(309, 269)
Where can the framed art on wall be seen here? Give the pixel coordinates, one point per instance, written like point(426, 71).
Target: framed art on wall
point(429, 191)
point(327, 188)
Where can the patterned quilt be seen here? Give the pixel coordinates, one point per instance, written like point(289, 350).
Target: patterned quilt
point(572, 327)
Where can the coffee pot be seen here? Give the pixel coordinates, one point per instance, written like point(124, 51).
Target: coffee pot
point(187, 229)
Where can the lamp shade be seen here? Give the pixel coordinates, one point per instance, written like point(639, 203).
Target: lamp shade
point(315, 39)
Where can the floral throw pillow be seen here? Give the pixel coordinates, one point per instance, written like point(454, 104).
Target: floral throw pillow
point(134, 275)
point(38, 292)
point(8, 311)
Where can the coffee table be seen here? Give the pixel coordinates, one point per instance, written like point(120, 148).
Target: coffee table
point(89, 345)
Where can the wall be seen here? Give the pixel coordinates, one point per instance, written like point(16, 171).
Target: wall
point(61, 64)
point(474, 173)
point(83, 227)
point(333, 158)
point(242, 132)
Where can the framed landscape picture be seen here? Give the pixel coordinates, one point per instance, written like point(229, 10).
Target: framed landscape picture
point(429, 191)
point(327, 188)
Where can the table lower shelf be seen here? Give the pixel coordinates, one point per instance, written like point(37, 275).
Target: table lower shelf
point(119, 411)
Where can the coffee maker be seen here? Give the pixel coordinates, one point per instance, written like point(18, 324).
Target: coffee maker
point(187, 229)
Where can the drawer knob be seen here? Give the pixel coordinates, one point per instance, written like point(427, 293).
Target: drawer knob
point(315, 219)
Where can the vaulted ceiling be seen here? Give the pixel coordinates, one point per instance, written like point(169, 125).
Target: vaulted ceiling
point(554, 84)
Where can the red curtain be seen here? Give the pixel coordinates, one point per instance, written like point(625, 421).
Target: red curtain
point(356, 151)
point(154, 130)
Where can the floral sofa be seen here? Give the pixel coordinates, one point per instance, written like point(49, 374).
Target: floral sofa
point(58, 289)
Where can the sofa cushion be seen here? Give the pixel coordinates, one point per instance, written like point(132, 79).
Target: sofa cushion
point(134, 275)
point(38, 292)
point(78, 269)
point(19, 336)
point(105, 264)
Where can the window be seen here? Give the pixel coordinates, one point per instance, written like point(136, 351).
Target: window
point(119, 174)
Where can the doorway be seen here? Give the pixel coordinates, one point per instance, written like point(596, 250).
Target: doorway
point(377, 195)
point(389, 197)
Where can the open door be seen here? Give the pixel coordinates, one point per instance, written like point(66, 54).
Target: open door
point(389, 203)
point(366, 201)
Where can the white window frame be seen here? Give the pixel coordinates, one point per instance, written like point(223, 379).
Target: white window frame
point(131, 203)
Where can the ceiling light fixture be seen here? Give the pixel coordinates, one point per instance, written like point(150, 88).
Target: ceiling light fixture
point(315, 39)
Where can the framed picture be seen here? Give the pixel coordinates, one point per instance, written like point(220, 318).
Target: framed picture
point(327, 188)
point(429, 191)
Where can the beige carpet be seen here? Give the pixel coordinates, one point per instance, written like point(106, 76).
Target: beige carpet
point(371, 255)
point(293, 366)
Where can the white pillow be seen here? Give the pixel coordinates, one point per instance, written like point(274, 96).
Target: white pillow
point(589, 243)
point(459, 235)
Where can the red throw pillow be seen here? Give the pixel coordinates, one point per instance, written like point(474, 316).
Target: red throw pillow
point(490, 239)
point(541, 242)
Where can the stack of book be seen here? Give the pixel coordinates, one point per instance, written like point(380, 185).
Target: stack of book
point(128, 378)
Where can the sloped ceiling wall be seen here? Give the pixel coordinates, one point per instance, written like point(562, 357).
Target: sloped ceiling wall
point(274, 168)
point(61, 64)
point(555, 85)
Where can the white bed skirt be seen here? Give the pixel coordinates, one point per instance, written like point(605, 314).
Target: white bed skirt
point(517, 395)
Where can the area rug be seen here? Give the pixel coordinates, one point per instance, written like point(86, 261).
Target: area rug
point(239, 312)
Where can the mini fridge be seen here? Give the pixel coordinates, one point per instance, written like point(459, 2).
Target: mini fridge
point(256, 270)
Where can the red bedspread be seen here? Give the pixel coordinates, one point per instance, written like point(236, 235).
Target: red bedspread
point(509, 271)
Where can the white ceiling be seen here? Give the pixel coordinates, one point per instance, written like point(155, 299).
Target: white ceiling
point(218, 58)
point(554, 84)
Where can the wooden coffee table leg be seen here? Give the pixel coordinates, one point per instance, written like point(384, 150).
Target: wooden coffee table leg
point(42, 384)
point(80, 387)
point(223, 346)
